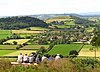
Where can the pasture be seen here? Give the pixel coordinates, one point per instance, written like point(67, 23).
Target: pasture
point(5, 52)
point(59, 19)
point(19, 41)
point(64, 49)
point(5, 34)
point(26, 32)
point(8, 47)
point(38, 28)
point(17, 52)
point(36, 47)
point(86, 51)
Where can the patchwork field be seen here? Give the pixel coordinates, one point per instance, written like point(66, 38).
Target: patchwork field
point(5, 33)
point(38, 28)
point(59, 19)
point(5, 52)
point(85, 51)
point(8, 46)
point(17, 52)
point(26, 32)
point(34, 46)
point(19, 41)
point(64, 49)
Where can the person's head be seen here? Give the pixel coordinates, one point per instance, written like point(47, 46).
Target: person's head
point(58, 54)
point(20, 53)
point(26, 54)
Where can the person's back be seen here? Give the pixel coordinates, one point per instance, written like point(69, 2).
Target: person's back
point(20, 58)
point(57, 57)
point(25, 58)
point(37, 60)
point(31, 58)
point(44, 58)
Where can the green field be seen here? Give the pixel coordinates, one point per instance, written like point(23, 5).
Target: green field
point(5, 52)
point(27, 32)
point(64, 49)
point(90, 29)
point(34, 46)
point(4, 33)
point(8, 46)
point(62, 26)
point(7, 32)
point(17, 52)
point(38, 28)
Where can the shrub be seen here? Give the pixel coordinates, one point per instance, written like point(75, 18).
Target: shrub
point(14, 42)
point(73, 53)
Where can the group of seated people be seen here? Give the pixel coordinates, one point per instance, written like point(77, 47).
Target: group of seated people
point(35, 58)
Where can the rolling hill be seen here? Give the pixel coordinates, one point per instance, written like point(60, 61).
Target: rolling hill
point(21, 22)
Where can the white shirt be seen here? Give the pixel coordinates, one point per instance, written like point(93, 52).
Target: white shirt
point(25, 58)
point(20, 57)
point(57, 57)
point(43, 58)
point(30, 59)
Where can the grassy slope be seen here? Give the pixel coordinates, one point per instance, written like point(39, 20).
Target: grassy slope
point(17, 52)
point(34, 46)
point(64, 49)
point(4, 52)
point(4, 33)
point(8, 46)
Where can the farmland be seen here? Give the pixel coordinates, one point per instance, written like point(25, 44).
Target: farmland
point(36, 47)
point(5, 52)
point(64, 49)
point(4, 47)
point(19, 41)
point(26, 32)
point(17, 52)
point(86, 51)
point(5, 33)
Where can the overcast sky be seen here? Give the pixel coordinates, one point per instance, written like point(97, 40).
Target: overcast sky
point(31, 7)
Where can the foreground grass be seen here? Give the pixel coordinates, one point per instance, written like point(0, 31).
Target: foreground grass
point(64, 49)
point(61, 65)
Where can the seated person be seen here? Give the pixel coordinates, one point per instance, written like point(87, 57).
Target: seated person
point(44, 58)
point(25, 58)
point(20, 58)
point(31, 58)
point(57, 57)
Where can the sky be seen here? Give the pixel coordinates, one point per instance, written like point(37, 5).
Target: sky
point(31, 7)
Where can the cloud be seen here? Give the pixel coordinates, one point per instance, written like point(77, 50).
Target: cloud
point(27, 7)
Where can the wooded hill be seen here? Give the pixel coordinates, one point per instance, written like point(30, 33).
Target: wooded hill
point(20, 22)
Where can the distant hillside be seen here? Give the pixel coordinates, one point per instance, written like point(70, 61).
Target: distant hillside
point(47, 16)
point(58, 18)
point(75, 18)
point(21, 22)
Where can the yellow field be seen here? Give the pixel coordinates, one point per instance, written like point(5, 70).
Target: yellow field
point(89, 53)
point(16, 53)
point(19, 41)
point(26, 32)
point(59, 20)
